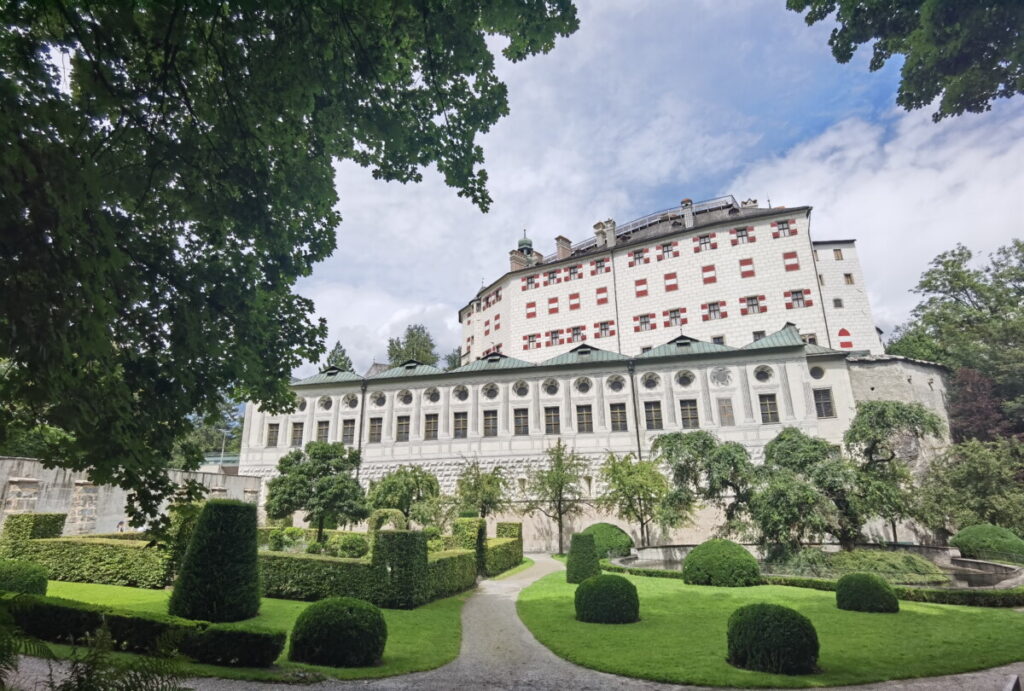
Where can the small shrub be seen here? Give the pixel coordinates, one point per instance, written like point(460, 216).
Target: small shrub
point(772, 638)
point(22, 577)
point(349, 546)
point(583, 562)
point(275, 541)
point(379, 518)
point(610, 540)
point(722, 563)
point(607, 599)
point(339, 632)
point(234, 646)
point(432, 532)
point(986, 541)
point(315, 548)
point(865, 592)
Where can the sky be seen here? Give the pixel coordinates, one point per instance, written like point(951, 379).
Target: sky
point(649, 103)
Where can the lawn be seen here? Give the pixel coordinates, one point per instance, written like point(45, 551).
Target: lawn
point(419, 639)
point(527, 563)
point(681, 637)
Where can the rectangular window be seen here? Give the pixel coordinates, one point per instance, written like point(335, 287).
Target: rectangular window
point(783, 228)
point(704, 242)
point(823, 405)
point(576, 334)
point(809, 339)
point(430, 427)
point(675, 318)
point(296, 434)
point(521, 421)
point(769, 408)
point(688, 416)
point(837, 303)
point(666, 249)
point(848, 279)
point(599, 265)
point(837, 254)
point(460, 425)
point(714, 311)
point(618, 417)
point(376, 428)
point(531, 341)
point(753, 304)
point(584, 419)
point(323, 428)
point(646, 349)
point(552, 276)
point(348, 432)
point(402, 428)
point(490, 423)
point(637, 256)
point(742, 236)
point(798, 298)
point(718, 340)
point(725, 416)
point(652, 414)
point(531, 281)
point(574, 272)
point(605, 329)
point(645, 322)
point(554, 337)
point(272, 431)
point(758, 335)
point(552, 423)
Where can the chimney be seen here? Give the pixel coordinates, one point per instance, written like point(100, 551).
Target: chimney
point(604, 231)
point(517, 260)
point(749, 204)
point(687, 205)
point(563, 247)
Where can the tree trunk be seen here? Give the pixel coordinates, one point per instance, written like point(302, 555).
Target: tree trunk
point(561, 550)
point(320, 529)
point(892, 522)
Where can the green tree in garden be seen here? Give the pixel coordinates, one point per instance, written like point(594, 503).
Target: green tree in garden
point(168, 175)
point(318, 481)
point(416, 344)
point(402, 489)
point(639, 492)
point(483, 492)
point(556, 489)
point(967, 53)
point(338, 358)
point(221, 430)
point(453, 360)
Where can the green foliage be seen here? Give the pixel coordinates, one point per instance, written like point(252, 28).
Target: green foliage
point(895, 566)
point(338, 358)
point(339, 632)
point(400, 559)
point(183, 519)
point(482, 492)
point(219, 578)
point(989, 541)
point(966, 54)
point(607, 599)
point(318, 481)
point(417, 344)
point(233, 646)
point(582, 562)
point(609, 540)
point(315, 548)
point(220, 430)
point(453, 359)
point(196, 185)
point(296, 576)
point(772, 638)
point(974, 597)
point(20, 527)
point(879, 426)
point(556, 490)
point(471, 533)
point(97, 560)
point(381, 517)
point(22, 577)
point(721, 563)
point(865, 592)
point(638, 491)
point(450, 572)
point(403, 488)
point(502, 554)
point(513, 530)
point(347, 546)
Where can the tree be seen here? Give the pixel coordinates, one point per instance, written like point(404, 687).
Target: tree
point(417, 344)
point(220, 431)
point(168, 176)
point(975, 412)
point(967, 52)
point(318, 481)
point(485, 493)
point(555, 490)
point(638, 491)
point(453, 360)
point(402, 489)
point(338, 358)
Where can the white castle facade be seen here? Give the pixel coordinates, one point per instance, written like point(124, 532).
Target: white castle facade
point(612, 342)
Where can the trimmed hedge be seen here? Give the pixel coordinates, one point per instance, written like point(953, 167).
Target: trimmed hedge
point(582, 562)
point(988, 541)
point(607, 599)
point(22, 577)
point(513, 530)
point(20, 527)
point(865, 592)
point(348, 546)
point(339, 632)
point(609, 540)
point(450, 572)
point(772, 638)
point(379, 517)
point(231, 646)
point(721, 563)
point(291, 576)
point(100, 560)
point(502, 554)
point(471, 533)
point(219, 577)
point(606, 565)
point(975, 597)
point(400, 559)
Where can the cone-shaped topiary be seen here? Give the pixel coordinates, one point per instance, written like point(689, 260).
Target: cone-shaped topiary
point(721, 563)
point(610, 540)
point(607, 599)
point(772, 638)
point(219, 576)
point(583, 562)
point(865, 592)
point(339, 632)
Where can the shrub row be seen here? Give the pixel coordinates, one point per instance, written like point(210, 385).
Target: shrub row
point(22, 577)
point(989, 541)
point(299, 534)
point(1010, 597)
point(502, 554)
point(63, 621)
point(21, 527)
point(450, 572)
point(607, 565)
point(513, 530)
point(99, 560)
point(400, 560)
point(471, 533)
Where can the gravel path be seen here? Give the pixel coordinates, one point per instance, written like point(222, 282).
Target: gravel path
point(498, 652)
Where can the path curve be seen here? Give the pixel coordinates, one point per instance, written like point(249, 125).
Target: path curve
point(499, 652)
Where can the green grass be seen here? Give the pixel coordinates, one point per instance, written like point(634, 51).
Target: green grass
point(419, 639)
point(527, 563)
point(681, 637)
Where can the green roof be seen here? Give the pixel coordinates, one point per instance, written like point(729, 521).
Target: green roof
point(785, 337)
point(815, 349)
point(684, 345)
point(409, 368)
point(331, 375)
point(581, 354)
point(494, 361)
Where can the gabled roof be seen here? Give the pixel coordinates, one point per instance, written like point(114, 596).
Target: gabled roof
point(331, 375)
point(494, 361)
point(409, 368)
point(581, 354)
point(684, 345)
point(787, 336)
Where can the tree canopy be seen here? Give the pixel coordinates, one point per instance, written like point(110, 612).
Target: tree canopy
point(338, 358)
point(638, 491)
point(416, 344)
point(481, 491)
point(222, 430)
point(966, 53)
point(556, 489)
point(167, 177)
point(402, 489)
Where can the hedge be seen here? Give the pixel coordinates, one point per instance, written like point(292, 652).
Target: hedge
point(607, 599)
point(339, 632)
point(989, 541)
point(232, 646)
point(975, 597)
point(20, 527)
point(582, 562)
point(100, 560)
point(609, 540)
point(307, 534)
point(865, 592)
point(606, 565)
point(450, 572)
point(379, 517)
point(513, 530)
point(400, 559)
point(22, 577)
point(291, 576)
point(502, 554)
point(471, 533)
point(772, 638)
point(721, 563)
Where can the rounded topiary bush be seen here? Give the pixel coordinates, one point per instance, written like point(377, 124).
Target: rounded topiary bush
point(583, 562)
point(865, 592)
point(380, 517)
point(721, 563)
point(607, 599)
point(22, 577)
point(609, 540)
point(339, 632)
point(352, 546)
point(772, 638)
point(219, 576)
point(987, 541)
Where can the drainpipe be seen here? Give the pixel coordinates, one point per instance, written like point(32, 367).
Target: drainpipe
point(631, 368)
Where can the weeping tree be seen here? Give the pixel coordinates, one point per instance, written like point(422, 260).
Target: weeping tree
point(555, 490)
